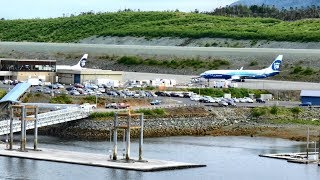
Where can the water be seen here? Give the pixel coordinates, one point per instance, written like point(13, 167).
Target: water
point(225, 157)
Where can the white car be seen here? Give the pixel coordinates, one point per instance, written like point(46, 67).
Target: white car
point(87, 105)
point(195, 98)
point(248, 100)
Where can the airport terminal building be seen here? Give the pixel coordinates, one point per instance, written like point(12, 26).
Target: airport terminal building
point(45, 70)
point(86, 75)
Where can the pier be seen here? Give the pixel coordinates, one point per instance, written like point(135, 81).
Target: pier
point(19, 112)
point(98, 160)
point(300, 157)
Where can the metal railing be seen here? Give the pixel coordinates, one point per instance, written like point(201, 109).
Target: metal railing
point(46, 119)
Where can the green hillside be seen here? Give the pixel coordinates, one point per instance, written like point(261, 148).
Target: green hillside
point(157, 24)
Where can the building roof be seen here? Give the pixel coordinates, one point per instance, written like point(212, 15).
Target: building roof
point(16, 92)
point(310, 93)
point(89, 71)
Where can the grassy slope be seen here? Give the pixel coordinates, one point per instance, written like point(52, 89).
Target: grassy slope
point(157, 24)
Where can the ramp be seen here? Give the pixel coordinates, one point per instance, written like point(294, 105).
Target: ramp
point(46, 119)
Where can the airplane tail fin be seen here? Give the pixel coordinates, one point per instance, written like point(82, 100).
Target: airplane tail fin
point(275, 66)
point(82, 61)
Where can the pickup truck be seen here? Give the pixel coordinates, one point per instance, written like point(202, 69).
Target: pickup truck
point(87, 105)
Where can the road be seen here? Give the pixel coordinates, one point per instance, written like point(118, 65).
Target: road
point(152, 50)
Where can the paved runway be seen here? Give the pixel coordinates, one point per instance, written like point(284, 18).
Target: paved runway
point(250, 83)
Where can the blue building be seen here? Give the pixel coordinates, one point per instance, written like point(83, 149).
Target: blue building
point(310, 96)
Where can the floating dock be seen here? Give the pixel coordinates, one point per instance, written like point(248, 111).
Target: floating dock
point(300, 158)
point(98, 160)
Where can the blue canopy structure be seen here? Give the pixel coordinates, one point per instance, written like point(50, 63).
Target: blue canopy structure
point(16, 92)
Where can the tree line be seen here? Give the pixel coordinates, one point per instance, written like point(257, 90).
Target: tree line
point(266, 11)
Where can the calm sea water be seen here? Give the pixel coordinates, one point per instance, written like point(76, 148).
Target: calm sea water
point(225, 157)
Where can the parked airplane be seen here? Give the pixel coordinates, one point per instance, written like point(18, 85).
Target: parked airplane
point(240, 75)
point(80, 65)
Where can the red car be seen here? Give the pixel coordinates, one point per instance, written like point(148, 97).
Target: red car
point(123, 106)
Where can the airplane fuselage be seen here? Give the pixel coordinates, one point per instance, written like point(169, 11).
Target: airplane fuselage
point(237, 74)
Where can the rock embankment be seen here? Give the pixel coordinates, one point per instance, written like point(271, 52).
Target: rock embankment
point(212, 121)
point(153, 127)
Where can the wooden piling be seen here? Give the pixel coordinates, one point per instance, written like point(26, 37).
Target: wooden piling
point(141, 137)
point(115, 135)
point(35, 141)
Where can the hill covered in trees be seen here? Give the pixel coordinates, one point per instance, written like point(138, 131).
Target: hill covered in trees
point(287, 4)
point(266, 11)
point(157, 24)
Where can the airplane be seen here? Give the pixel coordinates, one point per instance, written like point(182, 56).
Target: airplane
point(240, 74)
point(80, 65)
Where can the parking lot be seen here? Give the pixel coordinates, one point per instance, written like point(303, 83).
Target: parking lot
point(155, 98)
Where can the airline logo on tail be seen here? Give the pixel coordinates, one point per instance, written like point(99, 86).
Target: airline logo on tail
point(83, 60)
point(79, 65)
point(276, 64)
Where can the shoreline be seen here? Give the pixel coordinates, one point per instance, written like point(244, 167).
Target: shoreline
point(289, 131)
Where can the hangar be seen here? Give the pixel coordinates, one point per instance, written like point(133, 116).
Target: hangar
point(310, 96)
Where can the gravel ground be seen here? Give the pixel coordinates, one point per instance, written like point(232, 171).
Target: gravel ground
point(201, 42)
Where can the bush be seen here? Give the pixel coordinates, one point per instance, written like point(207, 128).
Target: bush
point(308, 71)
point(297, 70)
point(152, 112)
point(274, 110)
point(253, 63)
point(258, 111)
point(296, 111)
point(61, 99)
point(97, 115)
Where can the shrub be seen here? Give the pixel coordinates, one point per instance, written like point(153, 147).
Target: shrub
point(274, 110)
point(253, 63)
point(101, 115)
point(297, 70)
point(296, 111)
point(258, 111)
point(61, 99)
point(152, 112)
point(308, 71)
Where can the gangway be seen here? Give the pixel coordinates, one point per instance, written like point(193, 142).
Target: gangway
point(46, 119)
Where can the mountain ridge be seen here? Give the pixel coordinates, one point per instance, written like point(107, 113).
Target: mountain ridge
point(279, 4)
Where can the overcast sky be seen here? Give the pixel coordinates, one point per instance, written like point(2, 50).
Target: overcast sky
point(25, 9)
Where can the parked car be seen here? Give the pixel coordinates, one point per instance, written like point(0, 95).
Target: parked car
point(195, 98)
point(111, 105)
point(309, 104)
point(87, 105)
point(259, 100)
point(155, 102)
point(77, 85)
point(122, 105)
point(222, 103)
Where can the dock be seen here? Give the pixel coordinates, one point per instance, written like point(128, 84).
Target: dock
point(98, 160)
point(300, 158)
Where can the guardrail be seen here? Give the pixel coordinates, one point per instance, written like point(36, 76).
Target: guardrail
point(46, 119)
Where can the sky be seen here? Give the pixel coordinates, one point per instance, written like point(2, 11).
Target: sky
point(26, 9)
